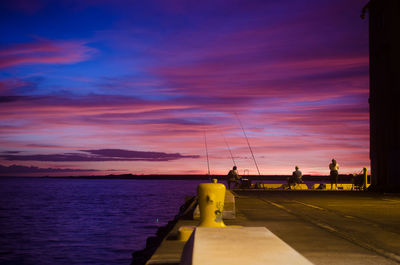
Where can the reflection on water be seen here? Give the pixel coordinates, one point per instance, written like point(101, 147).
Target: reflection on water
point(83, 221)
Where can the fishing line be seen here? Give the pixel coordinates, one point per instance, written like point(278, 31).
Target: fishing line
point(205, 142)
point(230, 152)
point(248, 143)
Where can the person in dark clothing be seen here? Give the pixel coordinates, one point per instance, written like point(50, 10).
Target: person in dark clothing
point(233, 177)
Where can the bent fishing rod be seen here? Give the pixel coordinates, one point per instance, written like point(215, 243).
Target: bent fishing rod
point(205, 142)
point(229, 149)
point(248, 143)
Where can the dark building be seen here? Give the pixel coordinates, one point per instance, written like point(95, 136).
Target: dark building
point(384, 99)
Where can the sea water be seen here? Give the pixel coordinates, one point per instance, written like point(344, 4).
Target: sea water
point(83, 221)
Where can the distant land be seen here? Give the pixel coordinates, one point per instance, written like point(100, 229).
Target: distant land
point(345, 178)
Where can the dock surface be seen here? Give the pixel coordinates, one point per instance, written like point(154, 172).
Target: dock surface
point(326, 227)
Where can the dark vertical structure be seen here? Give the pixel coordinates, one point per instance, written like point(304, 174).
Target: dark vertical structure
point(384, 54)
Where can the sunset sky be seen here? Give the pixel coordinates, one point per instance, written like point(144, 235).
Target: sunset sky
point(114, 87)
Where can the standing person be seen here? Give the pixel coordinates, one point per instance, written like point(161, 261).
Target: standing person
point(232, 176)
point(334, 167)
point(296, 177)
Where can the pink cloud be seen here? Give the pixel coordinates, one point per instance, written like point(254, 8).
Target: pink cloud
point(45, 52)
point(306, 135)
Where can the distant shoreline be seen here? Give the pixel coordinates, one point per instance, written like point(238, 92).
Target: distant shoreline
point(347, 177)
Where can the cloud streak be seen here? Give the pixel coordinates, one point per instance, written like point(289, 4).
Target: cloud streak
point(43, 51)
point(17, 169)
point(99, 155)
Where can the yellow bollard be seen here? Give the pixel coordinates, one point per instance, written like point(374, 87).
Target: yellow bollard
point(365, 178)
point(211, 204)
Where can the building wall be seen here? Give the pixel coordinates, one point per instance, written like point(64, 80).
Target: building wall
point(384, 28)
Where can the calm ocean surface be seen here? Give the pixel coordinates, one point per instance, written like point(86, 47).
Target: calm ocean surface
point(83, 221)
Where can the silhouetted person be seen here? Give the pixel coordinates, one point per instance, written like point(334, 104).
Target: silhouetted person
point(334, 167)
point(233, 177)
point(296, 177)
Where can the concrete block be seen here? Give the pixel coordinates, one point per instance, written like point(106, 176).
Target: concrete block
point(229, 211)
point(238, 245)
point(196, 213)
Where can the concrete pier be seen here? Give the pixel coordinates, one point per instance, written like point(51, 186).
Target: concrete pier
point(326, 227)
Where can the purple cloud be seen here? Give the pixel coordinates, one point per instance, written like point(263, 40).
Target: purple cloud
point(100, 155)
point(127, 155)
point(16, 169)
point(7, 99)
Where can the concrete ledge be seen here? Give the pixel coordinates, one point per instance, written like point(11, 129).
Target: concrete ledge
point(229, 211)
point(238, 245)
point(341, 186)
point(170, 250)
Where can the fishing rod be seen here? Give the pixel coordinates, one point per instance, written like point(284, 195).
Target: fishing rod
point(248, 143)
point(230, 152)
point(205, 142)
